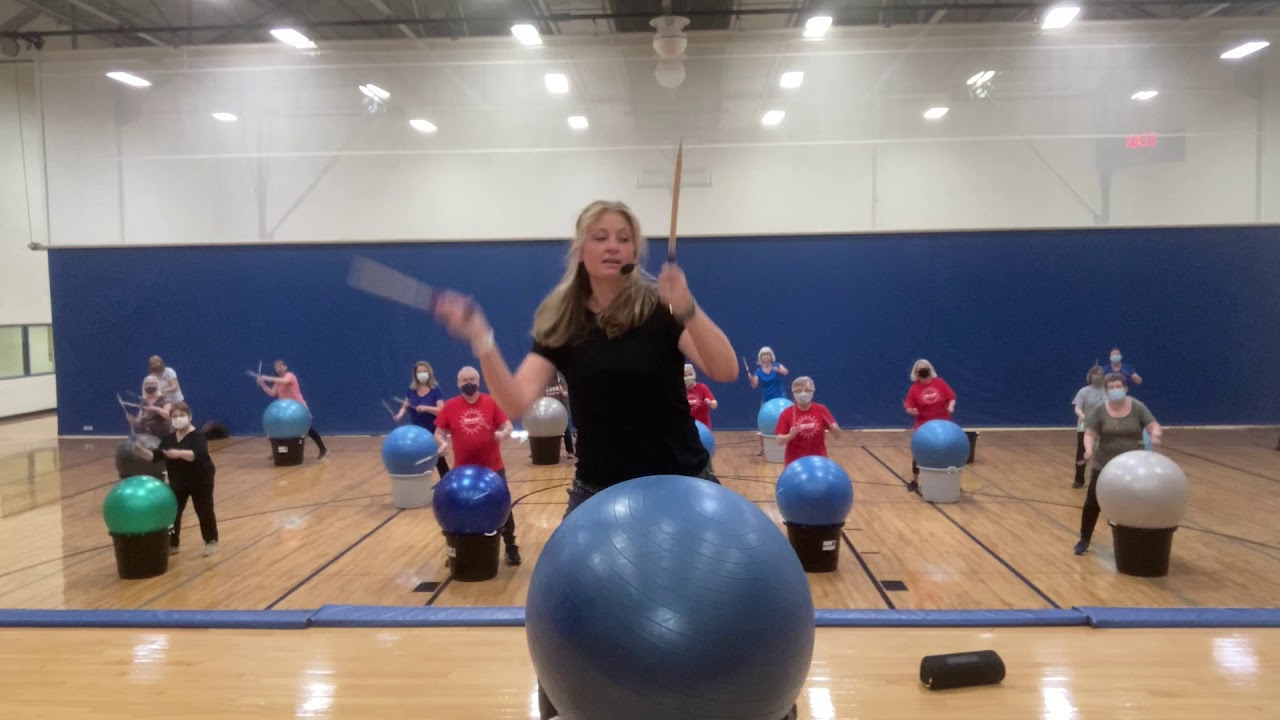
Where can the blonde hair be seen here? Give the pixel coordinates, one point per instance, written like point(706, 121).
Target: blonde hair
point(431, 375)
point(804, 381)
point(561, 318)
point(766, 349)
point(919, 364)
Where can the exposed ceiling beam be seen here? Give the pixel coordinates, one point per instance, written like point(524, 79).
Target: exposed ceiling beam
point(20, 19)
point(100, 13)
point(385, 10)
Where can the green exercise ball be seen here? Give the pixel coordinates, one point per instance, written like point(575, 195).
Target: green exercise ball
point(139, 505)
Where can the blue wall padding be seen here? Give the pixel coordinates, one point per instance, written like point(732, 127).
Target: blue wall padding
point(990, 309)
point(950, 618)
point(353, 616)
point(203, 619)
point(1110, 617)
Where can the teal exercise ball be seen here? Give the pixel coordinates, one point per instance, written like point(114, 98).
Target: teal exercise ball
point(139, 505)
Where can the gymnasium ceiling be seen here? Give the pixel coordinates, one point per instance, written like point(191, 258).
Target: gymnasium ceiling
point(105, 23)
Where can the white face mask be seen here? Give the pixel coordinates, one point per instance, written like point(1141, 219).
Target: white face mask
point(423, 377)
point(689, 380)
point(804, 397)
point(180, 422)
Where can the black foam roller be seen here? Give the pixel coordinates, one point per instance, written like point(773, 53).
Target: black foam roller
point(957, 670)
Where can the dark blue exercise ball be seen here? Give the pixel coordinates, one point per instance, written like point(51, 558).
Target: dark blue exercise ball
point(814, 490)
point(471, 500)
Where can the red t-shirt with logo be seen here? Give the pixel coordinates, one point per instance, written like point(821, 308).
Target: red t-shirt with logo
point(931, 399)
point(471, 427)
point(812, 424)
point(698, 396)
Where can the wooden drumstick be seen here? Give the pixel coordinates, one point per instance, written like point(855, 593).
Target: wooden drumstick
point(675, 212)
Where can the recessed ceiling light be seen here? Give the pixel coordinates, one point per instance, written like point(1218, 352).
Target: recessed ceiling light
point(791, 79)
point(289, 36)
point(578, 122)
point(935, 112)
point(773, 117)
point(422, 126)
point(556, 83)
point(1144, 94)
point(1248, 48)
point(817, 26)
point(129, 79)
point(1060, 17)
point(225, 117)
point(981, 78)
point(527, 34)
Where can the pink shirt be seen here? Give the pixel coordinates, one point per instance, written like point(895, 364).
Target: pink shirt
point(287, 388)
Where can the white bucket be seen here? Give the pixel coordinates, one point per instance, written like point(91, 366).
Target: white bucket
point(774, 451)
point(940, 486)
point(411, 491)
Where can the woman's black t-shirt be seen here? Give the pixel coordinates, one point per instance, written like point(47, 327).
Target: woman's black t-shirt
point(628, 402)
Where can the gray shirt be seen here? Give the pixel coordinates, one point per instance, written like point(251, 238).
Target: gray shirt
point(1118, 435)
point(1089, 398)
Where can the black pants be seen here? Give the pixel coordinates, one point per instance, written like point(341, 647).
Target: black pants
point(568, 441)
point(200, 493)
point(442, 467)
point(315, 437)
point(915, 470)
point(1080, 461)
point(509, 528)
point(1089, 516)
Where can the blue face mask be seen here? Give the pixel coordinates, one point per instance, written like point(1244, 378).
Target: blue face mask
point(1117, 358)
point(1116, 394)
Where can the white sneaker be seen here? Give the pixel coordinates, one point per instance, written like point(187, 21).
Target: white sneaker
point(210, 548)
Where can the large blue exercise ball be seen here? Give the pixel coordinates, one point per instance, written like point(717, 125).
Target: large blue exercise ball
point(815, 491)
point(409, 450)
point(670, 597)
point(471, 500)
point(286, 420)
point(767, 418)
point(940, 444)
point(707, 438)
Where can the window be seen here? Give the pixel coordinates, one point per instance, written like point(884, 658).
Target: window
point(26, 350)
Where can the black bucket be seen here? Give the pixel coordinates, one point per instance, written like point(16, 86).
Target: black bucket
point(817, 546)
point(545, 450)
point(142, 556)
point(129, 465)
point(473, 558)
point(1142, 552)
point(973, 445)
point(287, 452)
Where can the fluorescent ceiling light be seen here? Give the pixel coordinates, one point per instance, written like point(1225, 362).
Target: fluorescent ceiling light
point(130, 80)
point(374, 91)
point(817, 26)
point(556, 83)
point(1248, 48)
point(1060, 17)
point(791, 79)
point(527, 34)
point(578, 122)
point(773, 117)
point(225, 117)
point(422, 126)
point(1144, 94)
point(289, 36)
point(980, 78)
point(935, 112)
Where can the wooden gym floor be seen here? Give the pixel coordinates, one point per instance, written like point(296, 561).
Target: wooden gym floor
point(327, 533)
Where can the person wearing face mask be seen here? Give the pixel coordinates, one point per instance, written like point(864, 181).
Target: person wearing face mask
point(185, 454)
point(1113, 428)
point(474, 424)
point(701, 401)
point(153, 410)
point(284, 386)
point(804, 426)
point(423, 403)
point(167, 377)
point(621, 341)
point(768, 377)
point(1118, 365)
point(930, 398)
point(1088, 399)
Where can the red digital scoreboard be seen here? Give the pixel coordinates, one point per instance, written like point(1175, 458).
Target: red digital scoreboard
point(1145, 140)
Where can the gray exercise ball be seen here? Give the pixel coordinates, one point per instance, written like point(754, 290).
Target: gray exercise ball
point(547, 418)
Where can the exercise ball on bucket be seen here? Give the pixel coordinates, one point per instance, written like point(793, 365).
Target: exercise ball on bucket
point(1145, 496)
point(472, 503)
point(286, 424)
point(767, 424)
point(129, 462)
point(669, 596)
point(707, 437)
point(546, 422)
point(814, 497)
point(409, 455)
point(138, 513)
point(941, 450)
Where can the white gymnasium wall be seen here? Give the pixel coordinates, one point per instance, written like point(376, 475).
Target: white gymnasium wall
point(24, 273)
point(308, 162)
